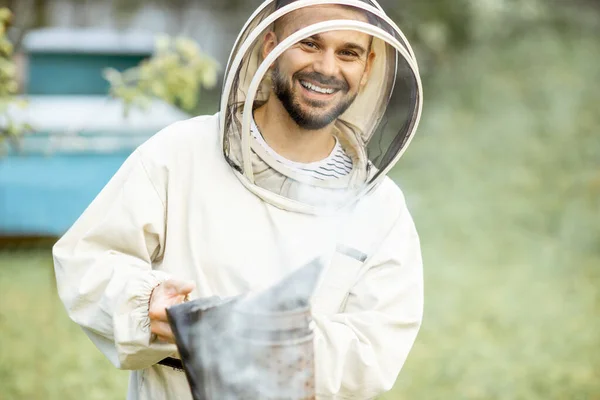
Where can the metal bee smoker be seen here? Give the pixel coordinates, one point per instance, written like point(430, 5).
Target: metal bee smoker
point(250, 347)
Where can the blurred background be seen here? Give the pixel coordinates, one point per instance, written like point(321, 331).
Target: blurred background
point(503, 179)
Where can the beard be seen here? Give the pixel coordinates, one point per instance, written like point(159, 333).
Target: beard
point(306, 119)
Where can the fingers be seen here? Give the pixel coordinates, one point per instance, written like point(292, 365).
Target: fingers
point(157, 312)
point(158, 306)
point(167, 294)
point(162, 330)
point(180, 287)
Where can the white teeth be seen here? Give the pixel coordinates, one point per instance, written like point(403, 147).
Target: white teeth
point(316, 88)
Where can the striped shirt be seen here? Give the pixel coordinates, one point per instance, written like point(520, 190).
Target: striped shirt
point(337, 165)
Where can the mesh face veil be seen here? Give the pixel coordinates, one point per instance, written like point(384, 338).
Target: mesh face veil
point(373, 101)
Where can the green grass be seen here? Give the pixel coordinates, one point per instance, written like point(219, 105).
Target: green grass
point(43, 355)
point(503, 180)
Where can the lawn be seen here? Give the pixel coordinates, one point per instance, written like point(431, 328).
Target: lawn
point(44, 355)
point(504, 183)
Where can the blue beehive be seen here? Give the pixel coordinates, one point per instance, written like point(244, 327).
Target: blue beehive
point(64, 61)
point(81, 135)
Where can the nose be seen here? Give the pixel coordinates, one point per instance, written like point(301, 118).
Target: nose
point(326, 64)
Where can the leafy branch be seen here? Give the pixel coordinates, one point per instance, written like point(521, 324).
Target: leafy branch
point(176, 73)
point(10, 129)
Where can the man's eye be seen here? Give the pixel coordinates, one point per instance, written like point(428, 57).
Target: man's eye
point(311, 45)
point(348, 53)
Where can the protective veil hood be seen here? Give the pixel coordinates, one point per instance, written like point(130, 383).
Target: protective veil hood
point(374, 130)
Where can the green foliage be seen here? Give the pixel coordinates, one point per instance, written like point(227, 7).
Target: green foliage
point(9, 128)
point(503, 179)
point(176, 73)
point(438, 29)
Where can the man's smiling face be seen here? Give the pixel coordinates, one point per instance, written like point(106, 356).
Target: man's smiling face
point(318, 78)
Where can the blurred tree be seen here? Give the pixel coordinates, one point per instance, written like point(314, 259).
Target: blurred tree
point(441, 28)
point(176, 73)
point(26, 15)
point(9, 128)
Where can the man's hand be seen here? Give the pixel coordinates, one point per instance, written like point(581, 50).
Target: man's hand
point(165, 295)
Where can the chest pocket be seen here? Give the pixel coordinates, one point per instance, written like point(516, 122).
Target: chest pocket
point(337, 280)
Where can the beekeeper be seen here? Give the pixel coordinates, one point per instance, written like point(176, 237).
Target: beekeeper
point(320, 99)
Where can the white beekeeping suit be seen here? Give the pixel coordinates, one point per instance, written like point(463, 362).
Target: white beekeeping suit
point(206, 199)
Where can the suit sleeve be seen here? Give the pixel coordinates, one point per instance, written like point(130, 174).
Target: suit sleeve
point(104, 267)
point(361, 350)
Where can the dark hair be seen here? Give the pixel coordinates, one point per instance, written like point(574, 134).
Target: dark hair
point(283, 3)
point(371, 18)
